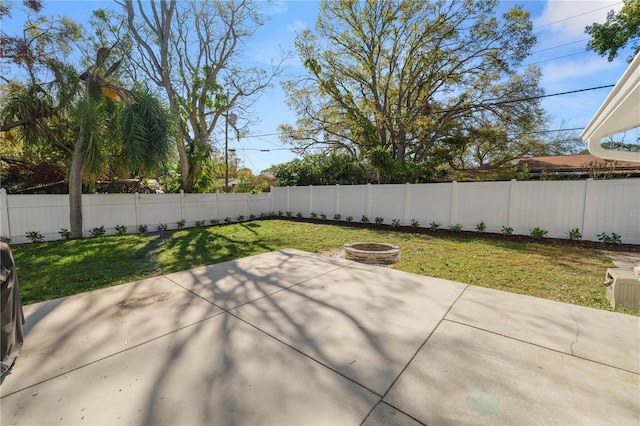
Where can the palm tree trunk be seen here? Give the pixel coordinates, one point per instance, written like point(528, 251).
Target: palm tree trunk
point(75, 188)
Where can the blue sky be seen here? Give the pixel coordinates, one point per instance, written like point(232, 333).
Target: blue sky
point(560, 52)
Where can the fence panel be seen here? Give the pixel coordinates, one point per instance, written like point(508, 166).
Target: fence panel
point(486, 202)
point(387, 202)
point(108, 210)
point(593, 207)
point(199, 207)
point(259, 204)
point(324, 200)
point(299, 197)
point(25, 214)
point(156, 209)
point(615, 205)
point(353, 201)
point(429, 203)
point(555, 206)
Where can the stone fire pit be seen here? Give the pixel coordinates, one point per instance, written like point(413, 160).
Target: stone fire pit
point(374, 253)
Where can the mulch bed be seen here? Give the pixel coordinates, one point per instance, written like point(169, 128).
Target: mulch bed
point(596, 245)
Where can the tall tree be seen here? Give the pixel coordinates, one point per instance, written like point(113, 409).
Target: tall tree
point(403, 76)
point(193, 51)
point(619, 30)
point(102, 115)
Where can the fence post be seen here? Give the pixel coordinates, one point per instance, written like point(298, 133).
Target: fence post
point(589, 213)
point(217, 204)
point(512, 201)
point(369, 200)
point(182, 204)
point(288, 196)
point(310, 199)
point(136, 198)
point(271, 199)
point(407, 204)
point(5, 229)
point(337, 198)
point(453, 206)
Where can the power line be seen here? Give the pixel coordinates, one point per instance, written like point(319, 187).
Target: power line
point(531, 98)
point(556, 58)
point(576, 16)
point(560, 45)
point(500, 102)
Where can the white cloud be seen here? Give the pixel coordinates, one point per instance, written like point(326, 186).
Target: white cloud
point(574, 70)
point(296, 26)
point(568, 18)
point(275, 7)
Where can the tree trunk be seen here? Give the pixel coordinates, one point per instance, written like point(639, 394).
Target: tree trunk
point(75, 188)
point(184, 166)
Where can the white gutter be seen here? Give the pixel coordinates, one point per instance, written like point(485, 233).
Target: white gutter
point(619, 112)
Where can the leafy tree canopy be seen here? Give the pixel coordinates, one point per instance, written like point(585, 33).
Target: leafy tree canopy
point(417, 80)
point(619, 30)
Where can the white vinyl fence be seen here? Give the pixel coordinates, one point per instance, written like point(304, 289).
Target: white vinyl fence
point(591, 206)
point(49, 213)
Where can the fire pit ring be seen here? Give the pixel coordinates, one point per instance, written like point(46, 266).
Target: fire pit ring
point(373, 253)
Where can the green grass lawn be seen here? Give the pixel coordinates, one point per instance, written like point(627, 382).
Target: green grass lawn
point(558, 272)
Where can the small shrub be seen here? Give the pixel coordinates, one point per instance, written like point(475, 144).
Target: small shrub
point(434, 226)
point(414, 223)
point(280, 214)
point(537, 233)
point(299, 215)
point(349, 219)
point(162, 227)
point(121, 229)
point(481, 227)
point(5, 239)
point(252, 216)
point(364, 219)
point(227, 219)
point(214, 221)
point(379, 220)
point(240, 218)
point(323, 216)
point(313, 215)
point(610, 239)
point(64, 233)
point(181, 224)
point(199, 223)
point(142, 229)
point(575, 235)
point(337, 216)
point(455, 228)
point(289, 214)
point(97, 231)
point(34, 236)
point(395, 223)
point(507, 230)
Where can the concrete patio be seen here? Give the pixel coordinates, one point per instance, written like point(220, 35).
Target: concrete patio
point(290, 337)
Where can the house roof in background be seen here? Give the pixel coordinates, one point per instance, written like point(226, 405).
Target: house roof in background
point(569, 163)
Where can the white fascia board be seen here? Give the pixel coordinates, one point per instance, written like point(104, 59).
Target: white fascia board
point(619, 112)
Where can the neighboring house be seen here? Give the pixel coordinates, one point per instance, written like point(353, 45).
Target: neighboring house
point(579, 166)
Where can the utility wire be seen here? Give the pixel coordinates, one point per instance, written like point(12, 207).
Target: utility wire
point(556, 58)
point(578, 15)
point(500, 102)
point(560, 45)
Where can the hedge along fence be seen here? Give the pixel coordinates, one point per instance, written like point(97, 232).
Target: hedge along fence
point(593, 207)
point(48, 214)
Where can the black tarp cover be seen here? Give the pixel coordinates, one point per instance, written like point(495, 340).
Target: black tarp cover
point(10, 310)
